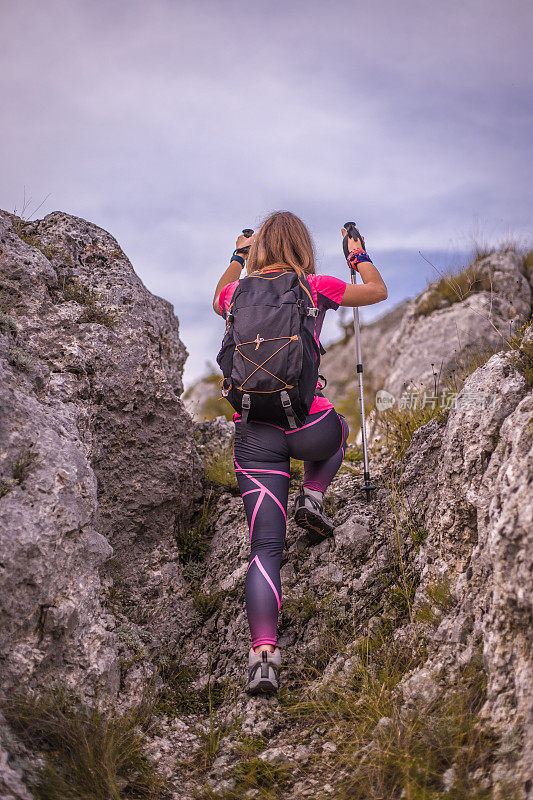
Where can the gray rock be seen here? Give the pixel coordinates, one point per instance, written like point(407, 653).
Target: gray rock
point(116, 466)
point(353, 537)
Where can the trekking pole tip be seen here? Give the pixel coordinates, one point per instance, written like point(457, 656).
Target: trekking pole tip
point(368, 488)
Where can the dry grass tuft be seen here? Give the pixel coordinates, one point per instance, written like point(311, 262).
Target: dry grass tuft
point(88, 755)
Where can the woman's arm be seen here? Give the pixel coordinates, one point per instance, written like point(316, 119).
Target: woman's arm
point(372, 290)
point(233, 272)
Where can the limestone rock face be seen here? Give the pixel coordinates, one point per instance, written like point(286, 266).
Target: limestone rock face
point(339, 363)
point(400, 347)
point(461, 331)
point(96, 450)
point(472, 482)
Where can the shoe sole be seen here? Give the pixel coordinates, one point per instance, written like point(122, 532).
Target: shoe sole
point(263, 687)
point(316, 527)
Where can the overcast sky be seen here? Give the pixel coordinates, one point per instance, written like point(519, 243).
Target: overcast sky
point(175, 124)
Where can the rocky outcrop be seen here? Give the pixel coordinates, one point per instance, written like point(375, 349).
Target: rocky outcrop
point(97, 452)
point(339, 362)
point(455, 333)
point(406, 637)
point(439, 565)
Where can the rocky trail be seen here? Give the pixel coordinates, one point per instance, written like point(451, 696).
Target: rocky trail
point(406, 637)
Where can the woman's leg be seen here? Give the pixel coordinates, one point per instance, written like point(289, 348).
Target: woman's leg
point(262, 469)
point(321, 444)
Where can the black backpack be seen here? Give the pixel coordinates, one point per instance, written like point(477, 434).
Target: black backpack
point(269, 356)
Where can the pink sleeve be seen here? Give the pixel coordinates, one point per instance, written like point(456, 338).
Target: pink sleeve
point(224, 298)
point(330, 288)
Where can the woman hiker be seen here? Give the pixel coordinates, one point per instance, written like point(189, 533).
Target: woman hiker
point(262, 450)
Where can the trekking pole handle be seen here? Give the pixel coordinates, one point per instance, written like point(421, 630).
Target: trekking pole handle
point(352, 233)
point(245, 232)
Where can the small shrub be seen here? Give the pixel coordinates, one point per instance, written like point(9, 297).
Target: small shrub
point(94, 310)
point(178, 696)
point(206, 603)
point(193, 541)
point(453, 288)
point(220, 470)
point(19, 359)
point(7, 324)
point(20, 469)
point(89, 755)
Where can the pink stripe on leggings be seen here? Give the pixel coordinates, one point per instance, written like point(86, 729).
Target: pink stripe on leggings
point(295, 430)
point(262, 487)
point(267, 577)
point(265, 471)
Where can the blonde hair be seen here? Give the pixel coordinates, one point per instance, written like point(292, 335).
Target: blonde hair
point(282, 241)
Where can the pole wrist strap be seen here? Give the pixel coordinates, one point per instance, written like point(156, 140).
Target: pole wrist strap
point(236, 257)
point(357, 256)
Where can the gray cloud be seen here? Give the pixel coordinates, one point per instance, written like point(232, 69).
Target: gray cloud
point(173, 124)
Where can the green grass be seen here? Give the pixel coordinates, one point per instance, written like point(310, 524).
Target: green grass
point(254, 778)
point(249, 745)
point(348, 406)
point(20, 359)
point(440, 602)
point(386, 750)
point(305, 605)
point(88, 754)
point(460, 284)
point(220, 470)
point(206, 603)
point(20, 469)
point(193, 540)
point(94, 311)
point(7, 324)
point(453, 288)
point(398, 425)
point(522, 352)
point(177, 695)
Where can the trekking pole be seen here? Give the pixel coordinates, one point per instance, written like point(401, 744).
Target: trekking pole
point(353, 233)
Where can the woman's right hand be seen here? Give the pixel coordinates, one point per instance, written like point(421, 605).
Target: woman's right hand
point(244, 241)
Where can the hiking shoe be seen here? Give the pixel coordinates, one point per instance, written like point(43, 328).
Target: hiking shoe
point(263, 671)
point(309, 514)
